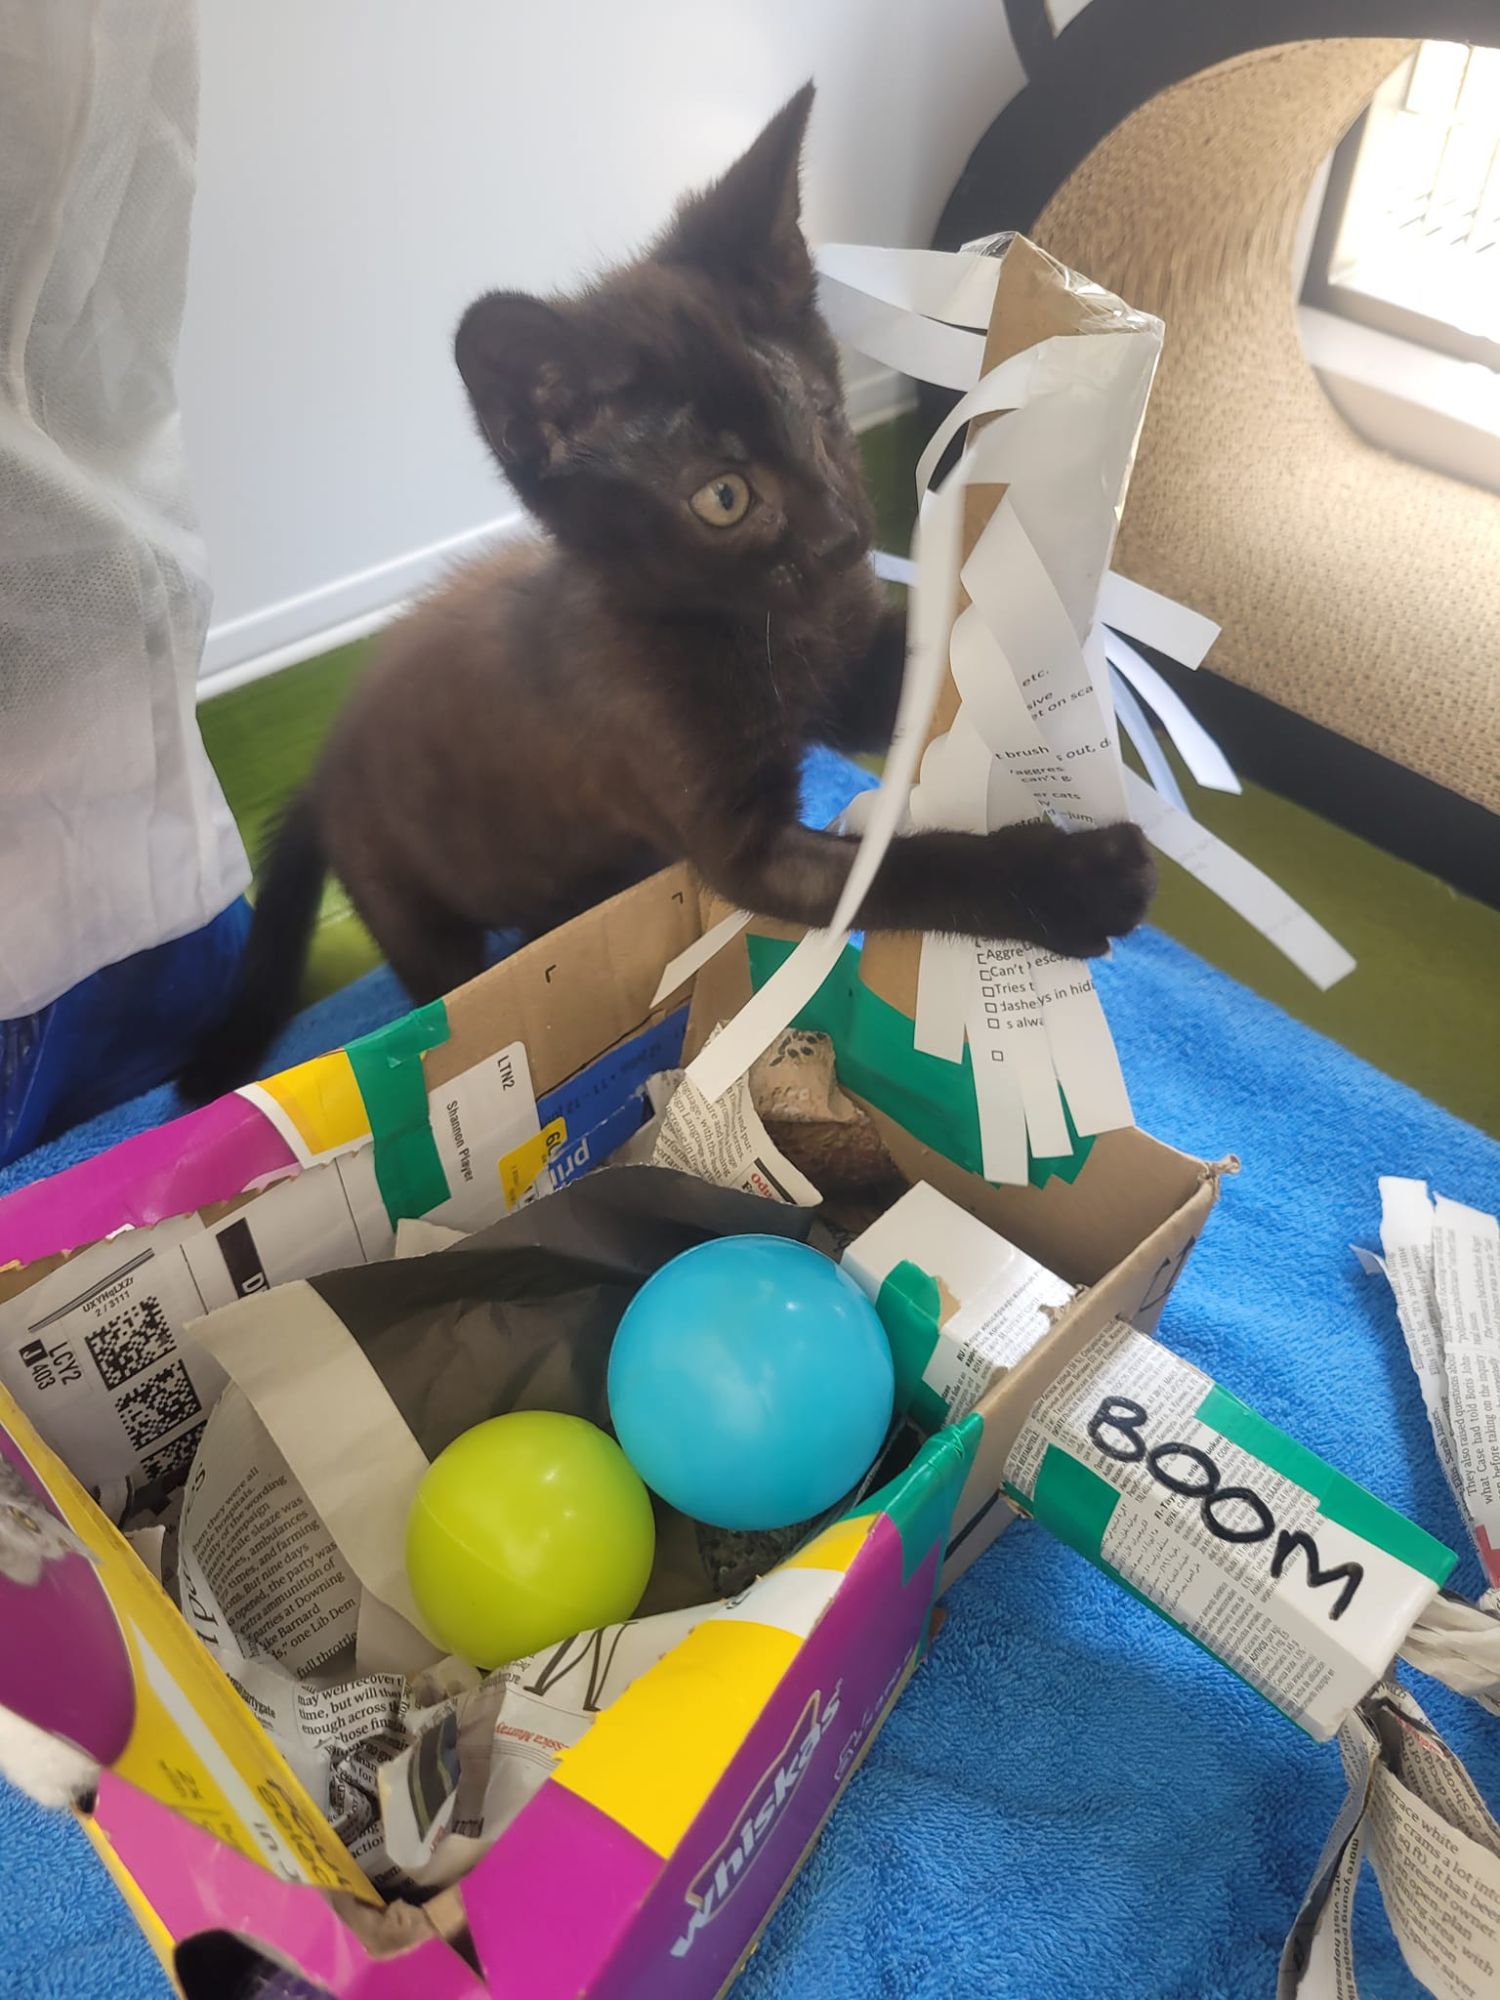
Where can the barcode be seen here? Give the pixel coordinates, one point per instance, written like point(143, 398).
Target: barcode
point(176, 1455)
point(133, 1340)
point(158, 1405)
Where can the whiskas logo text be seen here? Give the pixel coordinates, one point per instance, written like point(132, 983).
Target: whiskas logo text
point(714, 1884)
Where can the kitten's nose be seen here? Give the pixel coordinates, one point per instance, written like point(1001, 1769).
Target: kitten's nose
point(841, 547)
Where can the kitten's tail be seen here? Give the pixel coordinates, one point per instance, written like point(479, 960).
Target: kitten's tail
point(270, 974)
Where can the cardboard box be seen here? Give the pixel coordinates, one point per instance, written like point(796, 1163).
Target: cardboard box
point(960, 1304)
point(649, 1862)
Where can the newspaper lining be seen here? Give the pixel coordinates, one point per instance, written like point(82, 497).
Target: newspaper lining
point(720, 1140)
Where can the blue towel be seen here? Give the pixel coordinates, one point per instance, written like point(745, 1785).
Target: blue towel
point(1070, 1799)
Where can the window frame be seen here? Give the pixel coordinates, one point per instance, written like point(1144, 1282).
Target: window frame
point(1345, 301)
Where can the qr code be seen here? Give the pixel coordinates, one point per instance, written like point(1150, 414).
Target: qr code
point(158, 1405)
point(133, 1340)
point(176, 1455)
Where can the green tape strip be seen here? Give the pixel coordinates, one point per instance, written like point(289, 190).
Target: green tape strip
point(911, 1310)
point(921, 1500)
point(1072, 1502)
point(388, 1069)
point(1338, 1497)
point(931, 1097)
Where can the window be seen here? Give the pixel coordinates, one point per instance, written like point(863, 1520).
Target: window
point(1409, 237)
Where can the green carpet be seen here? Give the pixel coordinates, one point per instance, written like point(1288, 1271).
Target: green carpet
point(1419, 1005)
point(264, 740)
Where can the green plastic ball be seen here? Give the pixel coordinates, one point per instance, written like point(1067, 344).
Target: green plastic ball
point(527, 1529)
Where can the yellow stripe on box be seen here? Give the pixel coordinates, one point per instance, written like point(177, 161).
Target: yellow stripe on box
point(653, 1757)
point(194, 1745)
point(836, 1547)
point(321, 1101)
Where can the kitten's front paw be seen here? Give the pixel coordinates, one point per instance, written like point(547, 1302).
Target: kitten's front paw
point(1096, 884)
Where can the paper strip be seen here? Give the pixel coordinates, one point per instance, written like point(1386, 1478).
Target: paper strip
point(1406, 1239)
point(1006, 1025)
point(1279, 918)
point(953, 791)
point(939, 1024)
point(1018, 603)
point(791, 986)
point(948, 285)
point(1436, 1852)
point(894, 569)
point(1002, 1113)
point(690, 962)
point(1199, 751)
point(1066, 457)
point(1083, 1049)
point(1458, 1643)
point(1127, 609)
point(1156, 621)
point(1466, 1282)
point(923, 348)
point(995, 709)
point(1143, 736)
point(788, 990)
point(937, 545)
point(1004, 388)
point(1097, 661)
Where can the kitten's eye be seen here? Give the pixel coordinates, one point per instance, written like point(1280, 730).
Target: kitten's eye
point(723, 501)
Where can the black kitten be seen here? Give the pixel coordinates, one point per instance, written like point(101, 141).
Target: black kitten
point(638, 683)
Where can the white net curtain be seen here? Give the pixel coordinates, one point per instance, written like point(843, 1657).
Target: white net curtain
point(114, 834)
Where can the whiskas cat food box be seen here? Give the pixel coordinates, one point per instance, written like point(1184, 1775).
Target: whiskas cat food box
point(649, 1861)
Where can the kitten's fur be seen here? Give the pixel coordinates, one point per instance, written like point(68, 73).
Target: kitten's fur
point(637, 685)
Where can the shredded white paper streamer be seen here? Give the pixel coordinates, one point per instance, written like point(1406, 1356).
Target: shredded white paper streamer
point(901, 339)
point(1133, 720)
point(1156, 621)
point(1044, 665)
point(956, 286)
point(1247, 889)
point(1198, 750)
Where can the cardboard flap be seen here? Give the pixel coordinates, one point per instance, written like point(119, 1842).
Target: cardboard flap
point(575, 992)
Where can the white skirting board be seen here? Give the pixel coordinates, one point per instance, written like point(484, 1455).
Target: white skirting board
point(352, 607)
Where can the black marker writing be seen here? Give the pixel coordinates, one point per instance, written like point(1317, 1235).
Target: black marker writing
point(1116, 1429)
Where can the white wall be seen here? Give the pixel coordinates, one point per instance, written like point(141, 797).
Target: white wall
point(366, 167)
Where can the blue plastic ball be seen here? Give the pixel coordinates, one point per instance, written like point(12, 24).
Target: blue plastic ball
point(750, 1382)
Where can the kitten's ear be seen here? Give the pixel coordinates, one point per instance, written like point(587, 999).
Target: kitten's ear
point(522, 365)
point(746, 228)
